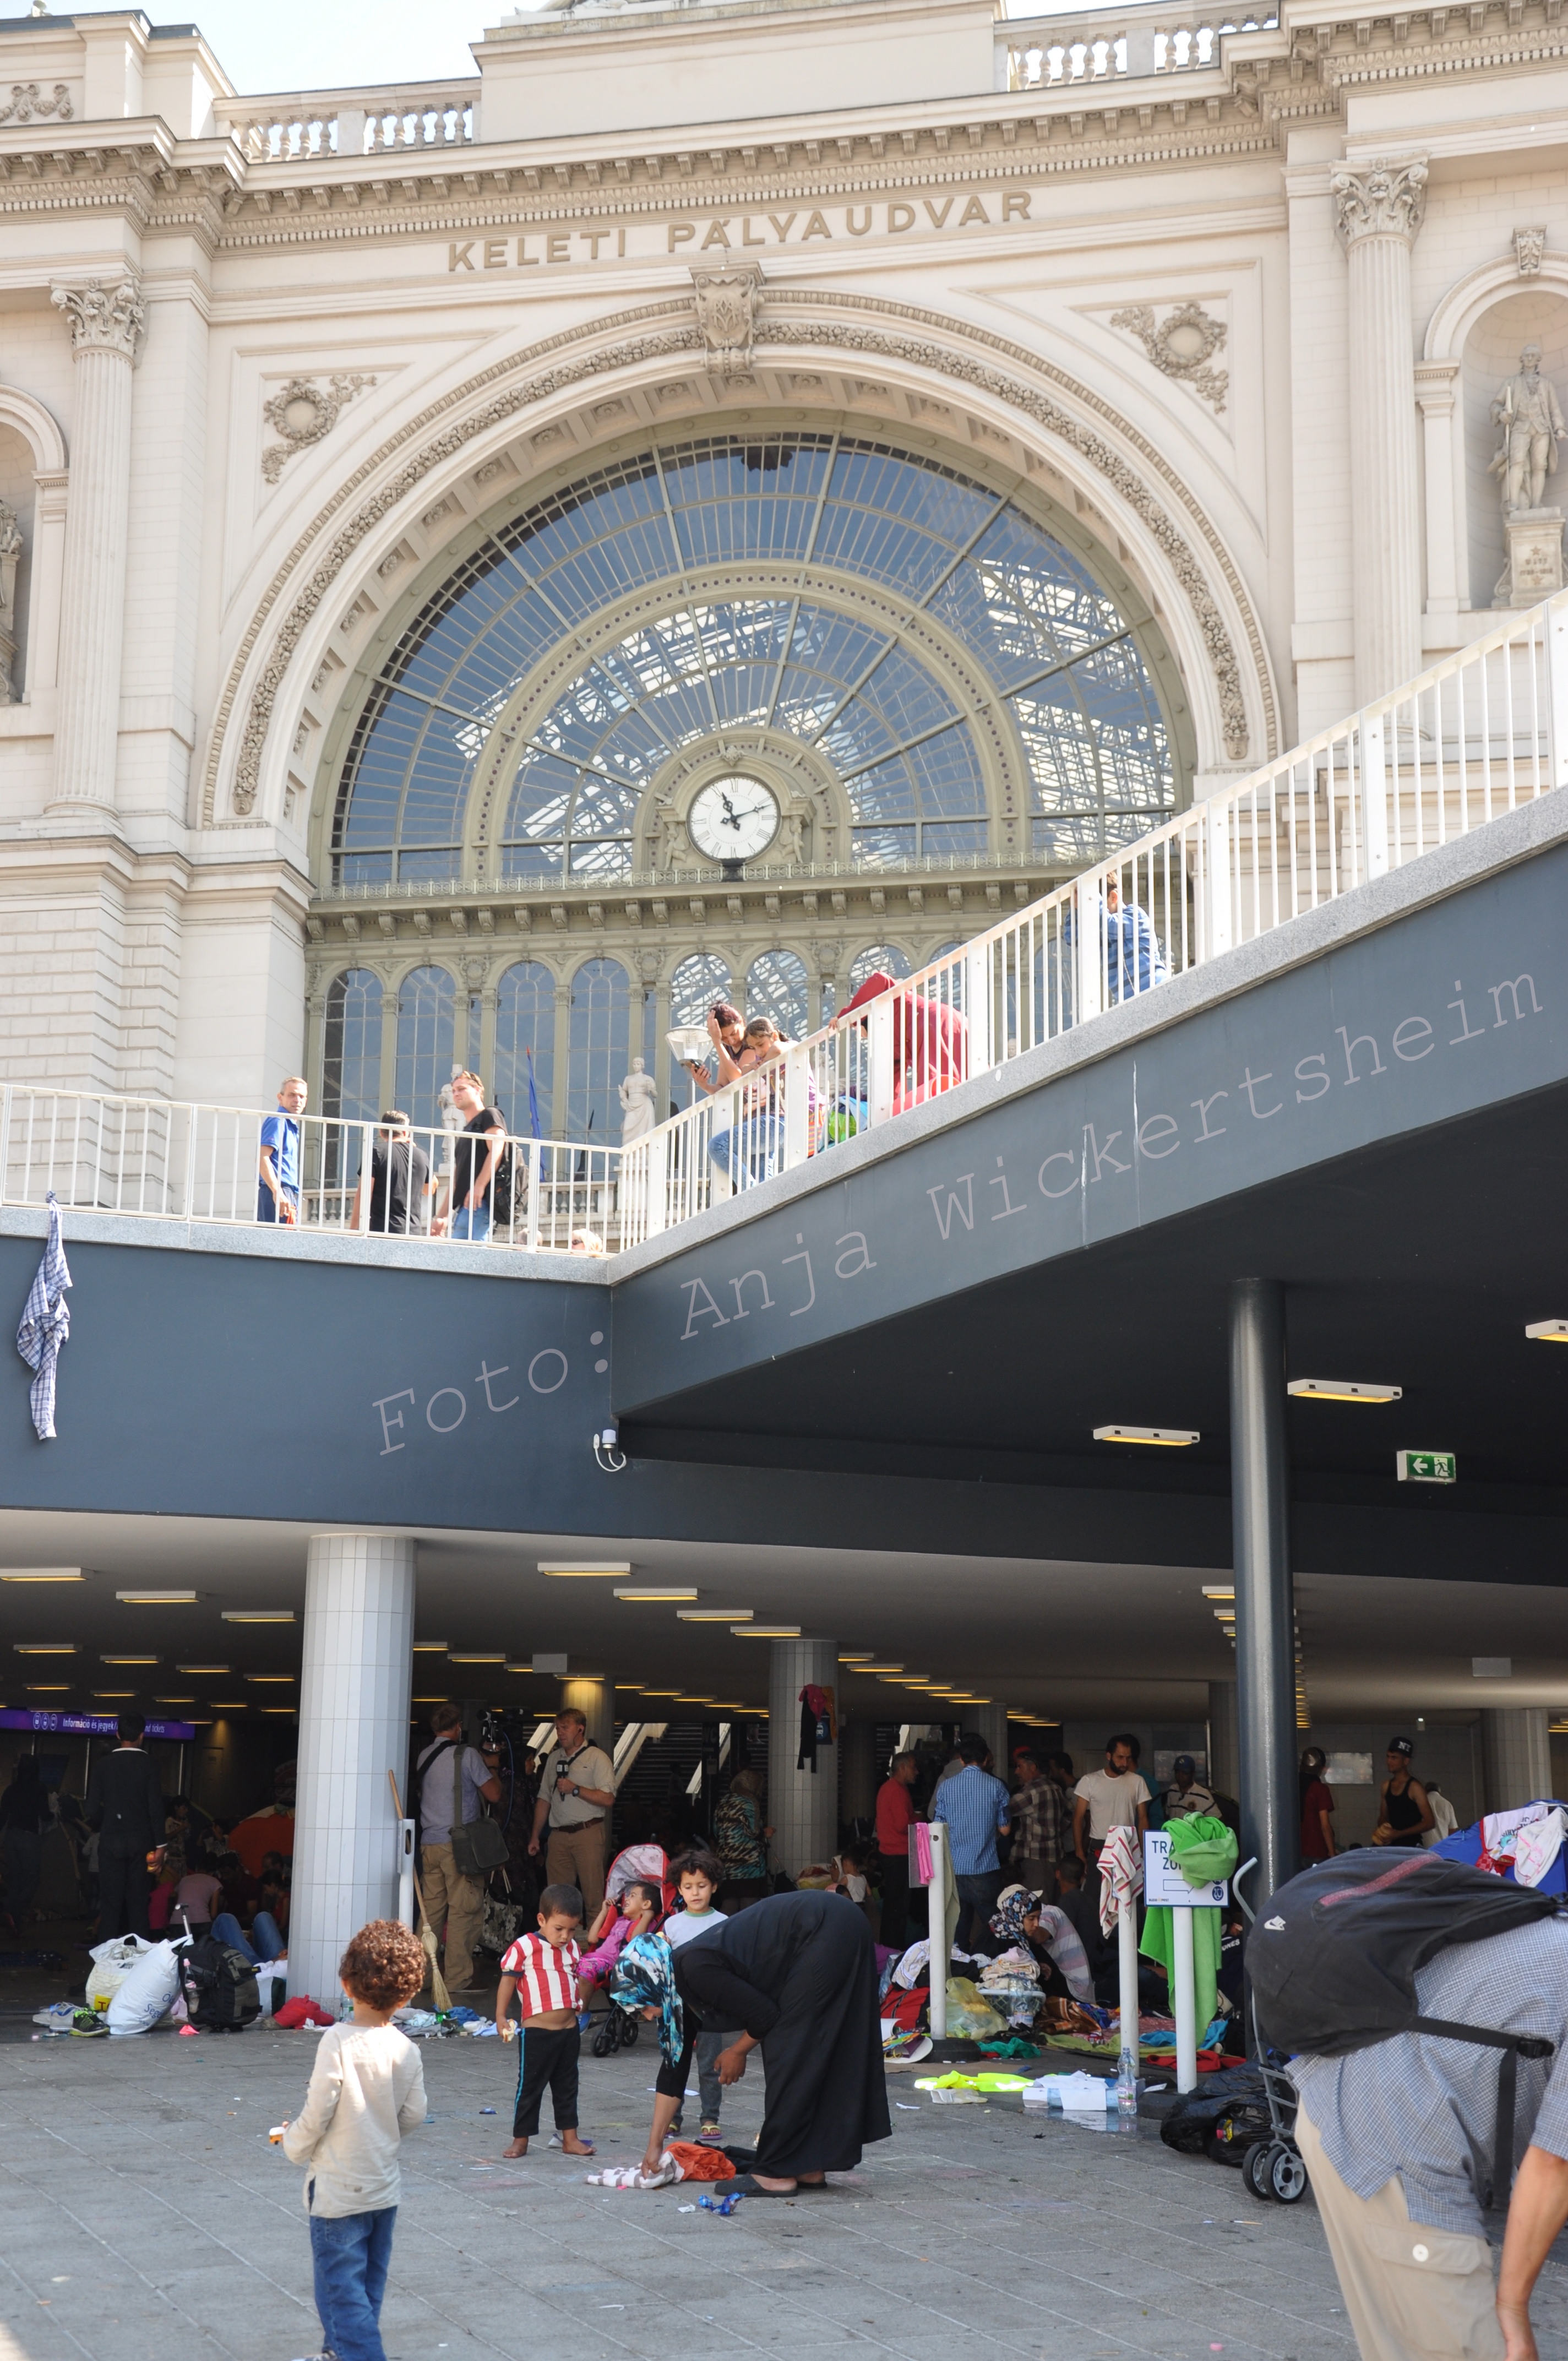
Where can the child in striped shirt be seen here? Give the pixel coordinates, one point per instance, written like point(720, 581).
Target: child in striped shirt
point(542, 1970)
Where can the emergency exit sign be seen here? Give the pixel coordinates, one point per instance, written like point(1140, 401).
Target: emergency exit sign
point(1427, 1467)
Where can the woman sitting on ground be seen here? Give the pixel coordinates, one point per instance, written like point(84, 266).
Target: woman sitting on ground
point(1026, 1918)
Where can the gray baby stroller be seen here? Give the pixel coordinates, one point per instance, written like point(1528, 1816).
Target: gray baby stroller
point(1272, 2165)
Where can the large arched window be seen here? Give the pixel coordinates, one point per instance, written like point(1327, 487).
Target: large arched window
point(427, 1000)
point(1046, 651)
point(598, 1047)
point(778, 986)
point(351, 1047)
point(525, 1047)
point(695, 984)
point(885, 957)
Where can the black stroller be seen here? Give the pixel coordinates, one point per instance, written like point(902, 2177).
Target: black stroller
point(1271, 2164)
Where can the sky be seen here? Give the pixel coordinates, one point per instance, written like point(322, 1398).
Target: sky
point(323, 44)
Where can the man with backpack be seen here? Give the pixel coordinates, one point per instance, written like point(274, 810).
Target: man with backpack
point(1426, 2006)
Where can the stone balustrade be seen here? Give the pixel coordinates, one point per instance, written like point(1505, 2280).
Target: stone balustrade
point(296, 126)
point(1107, 46)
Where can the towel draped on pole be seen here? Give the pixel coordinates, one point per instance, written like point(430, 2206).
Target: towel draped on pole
point(46, 1325)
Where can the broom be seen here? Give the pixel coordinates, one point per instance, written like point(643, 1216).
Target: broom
point(438, 1992)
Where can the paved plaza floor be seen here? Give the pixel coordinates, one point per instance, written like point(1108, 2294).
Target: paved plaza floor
point(145, 2216)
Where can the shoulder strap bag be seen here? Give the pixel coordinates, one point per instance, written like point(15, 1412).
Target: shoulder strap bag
point(478, 1846)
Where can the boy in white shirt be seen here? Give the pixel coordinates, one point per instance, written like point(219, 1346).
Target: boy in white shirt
point(367, 2090)
point(698, 1876)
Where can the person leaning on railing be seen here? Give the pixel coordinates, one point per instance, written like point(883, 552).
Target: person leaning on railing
point(1132, 960)
point(749, 1150)
point(400, 1181)
point(467, 1211)
point(727, 1031)
point(930, 1038)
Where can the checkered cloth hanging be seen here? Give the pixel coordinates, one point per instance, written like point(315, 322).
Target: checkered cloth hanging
point(46, 1325)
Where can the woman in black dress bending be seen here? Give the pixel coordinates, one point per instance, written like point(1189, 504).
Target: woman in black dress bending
point(795, 1976)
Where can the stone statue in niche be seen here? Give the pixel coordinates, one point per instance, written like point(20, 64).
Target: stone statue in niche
point(1529, 423)
point(637, 1093)
point(10, 555)
point(1526, 411)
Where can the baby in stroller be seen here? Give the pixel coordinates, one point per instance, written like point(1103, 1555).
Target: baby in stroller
point(637, 1912)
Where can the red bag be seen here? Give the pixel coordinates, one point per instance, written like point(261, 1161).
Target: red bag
point(905, 2008)
point(700, 2163)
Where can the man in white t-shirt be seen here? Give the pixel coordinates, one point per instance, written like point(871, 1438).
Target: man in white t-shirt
point(448, 1895)
point(1116, 1798)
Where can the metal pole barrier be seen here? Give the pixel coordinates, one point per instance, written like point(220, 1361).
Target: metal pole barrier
point(941, 1929)
point(1127, 1949)
point(1186, 2001)
point(406, 1873)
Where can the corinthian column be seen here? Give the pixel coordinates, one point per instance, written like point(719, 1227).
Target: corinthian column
point(1378, 212)
point(107, 325)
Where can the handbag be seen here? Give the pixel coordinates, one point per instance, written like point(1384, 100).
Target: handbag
point(478, 1846)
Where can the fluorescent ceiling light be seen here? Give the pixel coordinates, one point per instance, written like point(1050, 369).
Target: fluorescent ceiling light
point(419, 1700)
point(574, 1567)
point(624, 1688)
point(229, 1704)
point(155, 1597)
point(1218, 1590)
point(497, 1658)
point(44, 1573)
point(431, 1647)
point(1544, 1332)
point(662, 1693)
point(766, 1631)
point(860, 1656)
point(109, 1696)
point(174, 1700)
point(731, 1705)
point(1341, 1389)
point(1176, 1435)
point(518, 1668)
point(278, 1708)
point(189, 1669)
point(49, 1688)
point(711, 1614)
point(651, 1596)
point(879, 1669)
point(271, 1676)
point(46, 1647)
point(127, 1660)
point(259, 1615)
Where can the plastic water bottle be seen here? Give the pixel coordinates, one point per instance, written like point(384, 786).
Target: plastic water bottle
point(1127, 2083)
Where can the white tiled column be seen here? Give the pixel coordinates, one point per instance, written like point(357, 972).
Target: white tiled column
point(1516, 1756)
point(803, 1807)
point(354, 1728)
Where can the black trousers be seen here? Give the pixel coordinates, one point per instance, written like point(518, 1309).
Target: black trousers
point(122, 1894)
point(547, 2056)
point(894, 1867)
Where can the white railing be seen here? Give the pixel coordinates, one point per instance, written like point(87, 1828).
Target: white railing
point(1106, 46)
point(1477, 736)
point(299, 124)
point(171, 1160)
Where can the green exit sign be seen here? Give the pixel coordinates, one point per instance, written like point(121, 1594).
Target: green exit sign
point(1428, 1468)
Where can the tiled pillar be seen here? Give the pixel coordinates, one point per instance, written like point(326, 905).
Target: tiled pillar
point(802, 1805)
point(1516, 1756)
point(354, 1728)
point(594, 1700)
point(990, 1723)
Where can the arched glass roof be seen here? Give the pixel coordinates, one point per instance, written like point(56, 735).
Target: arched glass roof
point(1060, 657)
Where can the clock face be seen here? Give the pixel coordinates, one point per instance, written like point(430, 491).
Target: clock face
point(733, 818)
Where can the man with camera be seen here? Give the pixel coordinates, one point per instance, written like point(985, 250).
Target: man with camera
point(577, 1793)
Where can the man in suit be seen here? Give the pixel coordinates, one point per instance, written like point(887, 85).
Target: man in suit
point(125, 1804)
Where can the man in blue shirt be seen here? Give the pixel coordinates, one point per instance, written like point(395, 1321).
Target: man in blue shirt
point(278, 1190)
point(975, 1807)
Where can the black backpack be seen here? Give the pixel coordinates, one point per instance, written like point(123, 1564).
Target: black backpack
point(1333, 1959)
point(220, 1987)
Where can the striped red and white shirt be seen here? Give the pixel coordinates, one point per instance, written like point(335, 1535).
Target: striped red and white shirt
point(546, 1977)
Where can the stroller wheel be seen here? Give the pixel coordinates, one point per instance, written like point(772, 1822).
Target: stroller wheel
point(1286, 2175)
point(629, 2032)
point(1254, 2174)
point(604, 2041)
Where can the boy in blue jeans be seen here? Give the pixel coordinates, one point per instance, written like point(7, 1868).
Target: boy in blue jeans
point(367, 2090)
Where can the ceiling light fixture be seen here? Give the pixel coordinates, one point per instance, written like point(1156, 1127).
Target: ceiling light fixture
point(1341, 1389)
point(431, 1647)
point(711, 1614)
point(188, 1670)
point(174, 1700)
point(1218, 1590)
point(271, 1676)
point(1166, 1435)
point(49, 1688)
point(127, 1660)
point(487, 1656)
point(577, 1569)
point(229, 1704)
point(880, 1669)
point(662, 1693)
point(1543, 1331)
point(766, 1631)
point(108, 1696)
point(45, 1647)
point(651, 1597)
point(279, 1708)
point(44, 1573)
point(157, 1598)
point(259, 1615)
point(860, 1656)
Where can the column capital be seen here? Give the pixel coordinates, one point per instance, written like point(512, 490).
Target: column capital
point(1382, 200)
point(103, 319)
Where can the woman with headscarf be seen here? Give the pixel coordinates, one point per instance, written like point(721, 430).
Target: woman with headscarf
point(741, 1841)
point(796, 1977)
point(1025, 1918)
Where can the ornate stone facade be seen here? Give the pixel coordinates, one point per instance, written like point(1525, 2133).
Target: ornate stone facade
point(1162, 321)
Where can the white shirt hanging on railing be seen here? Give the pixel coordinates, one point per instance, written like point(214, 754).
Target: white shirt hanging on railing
point(46, 1325)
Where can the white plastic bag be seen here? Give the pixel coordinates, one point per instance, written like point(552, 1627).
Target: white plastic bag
point(112, 1963)
point(271, 1983)
point(146, 1992)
